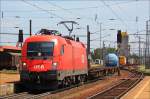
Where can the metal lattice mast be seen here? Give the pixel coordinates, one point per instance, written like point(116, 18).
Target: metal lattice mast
point(147, 50)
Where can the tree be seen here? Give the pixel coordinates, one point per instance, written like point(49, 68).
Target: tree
point(100, 53)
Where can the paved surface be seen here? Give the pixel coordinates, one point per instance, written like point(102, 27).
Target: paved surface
point(7, 85)
point(140, 91)
point(8, 78)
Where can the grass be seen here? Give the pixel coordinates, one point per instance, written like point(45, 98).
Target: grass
point(143, 70)
point(9, 71)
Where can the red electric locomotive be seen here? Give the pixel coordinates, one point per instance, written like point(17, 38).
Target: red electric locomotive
point(50, 60)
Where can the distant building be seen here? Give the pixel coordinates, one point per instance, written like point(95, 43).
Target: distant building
point(10, 49)
point(10, 57)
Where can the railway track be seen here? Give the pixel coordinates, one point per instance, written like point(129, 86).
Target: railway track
point(38, 95)
point(119, 89)
point(22, 95)
point(35, 95)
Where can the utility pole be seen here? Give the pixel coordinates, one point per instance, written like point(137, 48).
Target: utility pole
point(100, 40)
point(139, 40)
point(139, 49)
point(103, 50)
point(149, 10)
point(88, 46)
point(147, 51)
point(1, 16)
point(147, 44)
point(30, 27)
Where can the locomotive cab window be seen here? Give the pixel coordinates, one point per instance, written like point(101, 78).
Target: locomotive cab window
point(40, 49)
point(62, 50)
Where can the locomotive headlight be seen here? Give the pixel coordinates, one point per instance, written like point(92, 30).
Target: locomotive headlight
point(24, 64)
point(55, 64)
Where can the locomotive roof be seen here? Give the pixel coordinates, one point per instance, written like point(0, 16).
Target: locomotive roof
point(39, 38)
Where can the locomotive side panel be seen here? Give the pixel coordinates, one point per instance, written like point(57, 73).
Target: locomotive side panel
point(73, 60)
point(80, 59)
point(66, 65)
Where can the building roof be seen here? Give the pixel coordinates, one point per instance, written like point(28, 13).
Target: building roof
point(10, 48)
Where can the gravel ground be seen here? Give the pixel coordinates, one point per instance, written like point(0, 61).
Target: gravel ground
point(81, 92)
point(85, 91)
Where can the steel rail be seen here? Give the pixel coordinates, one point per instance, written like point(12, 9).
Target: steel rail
point(119, 89)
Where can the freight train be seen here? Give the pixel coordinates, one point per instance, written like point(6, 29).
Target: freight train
point(52, 60)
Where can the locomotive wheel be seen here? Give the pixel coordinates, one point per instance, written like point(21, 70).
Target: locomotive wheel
point(55, 85)
point(73, 80)
point(82, 80)
point(64, 83)
point(77, 79)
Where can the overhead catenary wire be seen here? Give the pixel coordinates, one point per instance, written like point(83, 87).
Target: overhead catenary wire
point(12, 34)
point(65, 9)
point(121, 20)
point(69, 9)
point(78, 8)
point(53, 4)
point(8, 42)
point(40, 8)
point(120, 3)
point(50, 11)
point(79, 16)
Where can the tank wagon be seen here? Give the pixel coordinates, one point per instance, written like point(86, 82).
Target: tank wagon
point(50, 60)
point(110, 66)
point(111, 60)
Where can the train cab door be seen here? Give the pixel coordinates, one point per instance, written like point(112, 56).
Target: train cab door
point(66, 58)
point(73, 60)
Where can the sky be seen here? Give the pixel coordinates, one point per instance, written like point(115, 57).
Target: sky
point(127, 15)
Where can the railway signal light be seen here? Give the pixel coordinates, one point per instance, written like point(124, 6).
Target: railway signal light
point(20, 37)
point(119, 37)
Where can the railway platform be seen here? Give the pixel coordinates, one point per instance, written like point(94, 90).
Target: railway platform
point(8, 83)
point(140, 91)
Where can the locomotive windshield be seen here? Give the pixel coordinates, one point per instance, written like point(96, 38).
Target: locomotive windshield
point(40, 49)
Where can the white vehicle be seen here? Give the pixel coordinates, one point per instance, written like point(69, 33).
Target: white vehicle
point(98, 61)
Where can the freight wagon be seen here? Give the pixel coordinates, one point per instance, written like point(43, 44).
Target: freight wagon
point(9, 60)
